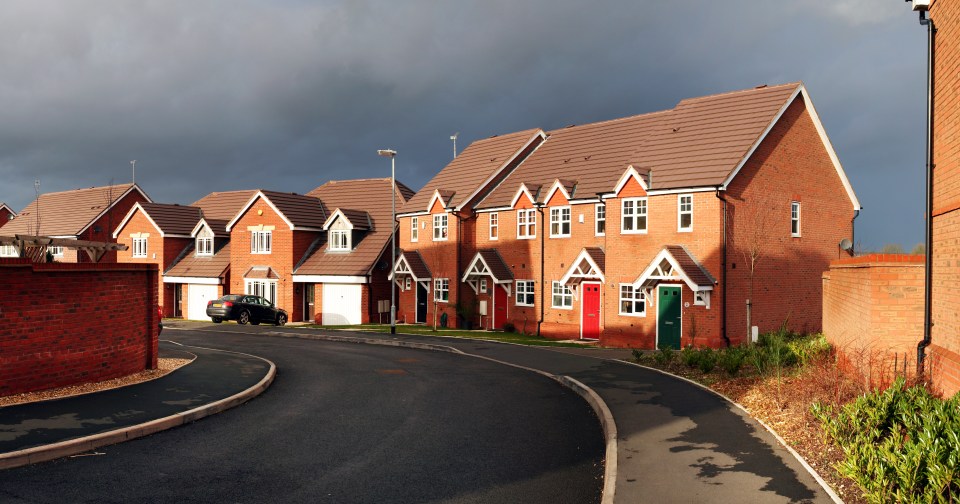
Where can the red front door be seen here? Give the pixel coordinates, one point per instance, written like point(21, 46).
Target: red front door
point(590, 311)
point(500, 301)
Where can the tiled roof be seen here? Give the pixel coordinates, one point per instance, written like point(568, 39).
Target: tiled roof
point(702, 140)
point(374, 196)
point(264, 272)
point(173, 219)
point(189, 265)
point(470, 169)
point(66, 213)
point(6, 208)
point(598, 256)
point(223, 205)
point(302, 210)
point(219, 227)
point(498, 268)
point(359, 219)
point(417, 265)
point(690, 265)
point(696, 144)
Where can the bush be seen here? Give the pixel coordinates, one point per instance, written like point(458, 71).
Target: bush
point(807, 349)
point(509, 327)
point(731, 359)
point(707, 360)
point(690, 356)
point(637, 355)
point(664, 356)
point(900, 445)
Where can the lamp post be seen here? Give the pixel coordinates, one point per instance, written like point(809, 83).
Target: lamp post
point(392, 154)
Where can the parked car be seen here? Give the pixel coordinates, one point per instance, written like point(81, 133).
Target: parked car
point(245, 308)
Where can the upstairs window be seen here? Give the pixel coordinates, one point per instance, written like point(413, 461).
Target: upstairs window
point(204, 243)
point(440, 227)
point(261, 242)
point(601, 213)
point(441, 290)
point(526, 224)
point(685, 213)
point(8, 251)
point(57, 251)
point(139, 248)
point(562, 296)
point(795, 219)
point(634, 215)
point(340, 239)
point(560, 222)
point(414, 229)
point(494, 226)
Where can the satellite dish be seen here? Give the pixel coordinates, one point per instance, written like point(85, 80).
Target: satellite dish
point(846, 244)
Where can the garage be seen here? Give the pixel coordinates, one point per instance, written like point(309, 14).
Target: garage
point(197, 297)
point(341, 304)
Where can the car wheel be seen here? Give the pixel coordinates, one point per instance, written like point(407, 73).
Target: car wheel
point(281, 319)
point(217, 320)
point(243, 318)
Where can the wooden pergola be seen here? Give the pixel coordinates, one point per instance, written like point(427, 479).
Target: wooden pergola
point(35, 247)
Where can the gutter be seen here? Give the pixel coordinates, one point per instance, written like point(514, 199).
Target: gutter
point(723, 268)
point(928, 259)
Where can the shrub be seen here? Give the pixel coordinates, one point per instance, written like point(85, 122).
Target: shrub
point(664, 356)
point(900, 445)
point(731, 359)
point(806, 349)
point(637, 355)
point(707, 360)
point(690, 356)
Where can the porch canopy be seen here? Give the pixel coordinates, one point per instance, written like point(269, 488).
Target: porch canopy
point(410, 263)
point(588, 265)
point(35, 247)
point(676, 263)
point(488, 263)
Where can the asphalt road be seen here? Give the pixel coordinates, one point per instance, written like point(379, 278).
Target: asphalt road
point(350, 423)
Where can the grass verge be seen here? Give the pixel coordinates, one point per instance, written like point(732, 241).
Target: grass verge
point(502, 337)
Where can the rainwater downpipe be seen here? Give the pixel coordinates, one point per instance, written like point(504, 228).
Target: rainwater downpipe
point(543, 231)
point(723, 269)
point(928, 259)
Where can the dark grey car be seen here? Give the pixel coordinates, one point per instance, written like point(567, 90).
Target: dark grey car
point(245, 308)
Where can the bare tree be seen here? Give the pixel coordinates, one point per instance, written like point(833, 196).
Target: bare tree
point(755, 236)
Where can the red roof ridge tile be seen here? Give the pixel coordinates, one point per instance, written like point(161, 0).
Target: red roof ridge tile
point(606, 121)
point(763, 87)
point(128, 185)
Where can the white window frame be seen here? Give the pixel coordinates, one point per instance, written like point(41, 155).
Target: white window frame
point(795, 219)
point(634, 216)
point(494, 226)
point(681, 212)
point(564, 293)
point(560, 216)
point(441, 230)
point(261, 242)
point(630, 296)
point(204, 245)
point(139, 249)
point(340, 240)
point(526, 291)
point(600, 217)
point(407, 284)
point(414, 229)
point(8, 251)
point(266, 289)
point(441, 290)
point(526, 224)
point(701, 298)
point(55, 250)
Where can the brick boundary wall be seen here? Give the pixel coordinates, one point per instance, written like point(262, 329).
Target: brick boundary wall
point(63, 324)
point(873, 313)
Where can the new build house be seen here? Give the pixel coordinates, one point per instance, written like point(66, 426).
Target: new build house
point(6, 214)
point(646, 231)
point(89, 214)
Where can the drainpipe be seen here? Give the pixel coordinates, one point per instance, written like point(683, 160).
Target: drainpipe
point(928, 260)
point(543, 231)
point(853, 232)
point(723, 269)
point(456, 213)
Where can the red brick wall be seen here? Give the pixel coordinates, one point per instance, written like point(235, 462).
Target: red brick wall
point(945, 334)
point(63, 324)
point(102, 230)
point(441, 258)
point(787, 281)
point(873, 312)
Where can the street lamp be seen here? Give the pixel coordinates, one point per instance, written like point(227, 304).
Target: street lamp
point(392, 154)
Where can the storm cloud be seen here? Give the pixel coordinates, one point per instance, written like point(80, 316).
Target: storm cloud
point(285, 95)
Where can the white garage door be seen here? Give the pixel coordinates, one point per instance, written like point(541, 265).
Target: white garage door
point(197, 297)
point(341, 304)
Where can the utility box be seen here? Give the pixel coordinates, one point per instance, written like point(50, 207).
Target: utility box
point(483, 307)
point(921, 5)
point(755, 333)
point(383, 306)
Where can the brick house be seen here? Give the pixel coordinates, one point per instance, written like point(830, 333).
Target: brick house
point(157, 233)
point(201, 271)
point(6, 214)
point(641, 231)
point(342, 278)
point(82, 214)
point(944, 345)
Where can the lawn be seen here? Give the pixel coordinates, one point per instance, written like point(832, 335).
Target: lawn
point(419, 330)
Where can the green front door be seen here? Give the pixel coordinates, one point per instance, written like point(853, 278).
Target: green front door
point(668, 316)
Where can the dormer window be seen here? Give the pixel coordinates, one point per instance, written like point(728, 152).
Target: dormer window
point(204, 243)
point(340, 239)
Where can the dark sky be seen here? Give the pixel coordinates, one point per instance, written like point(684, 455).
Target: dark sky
point(285, 95)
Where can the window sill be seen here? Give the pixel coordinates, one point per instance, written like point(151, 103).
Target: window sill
point(634, 232)
point(634, 315)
